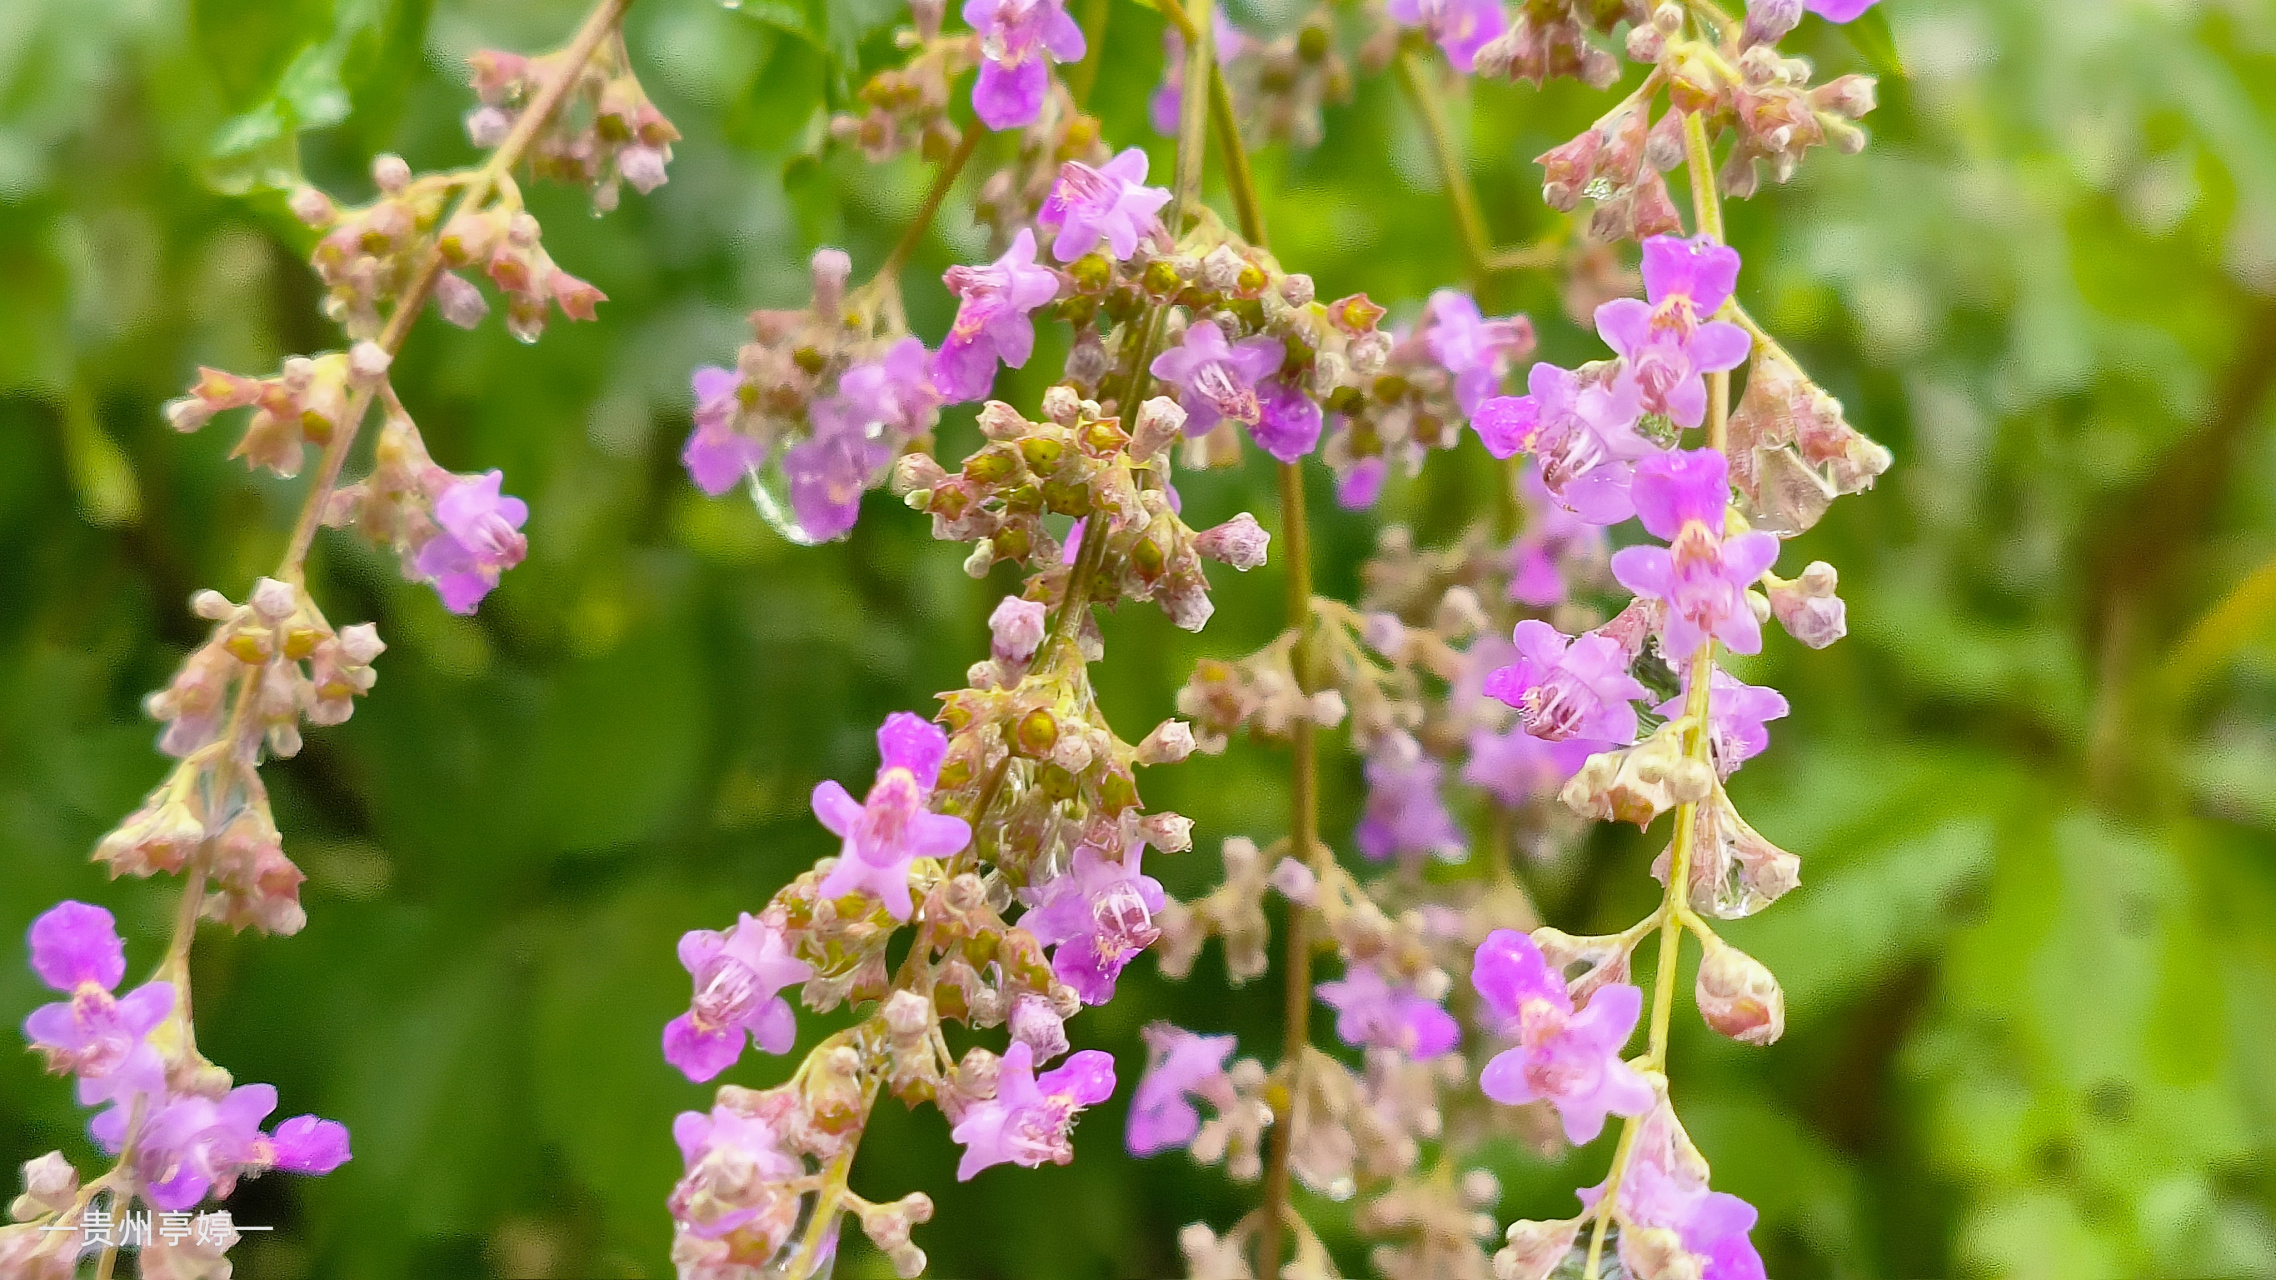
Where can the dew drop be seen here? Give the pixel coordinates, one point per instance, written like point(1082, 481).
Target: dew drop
point(770, 493)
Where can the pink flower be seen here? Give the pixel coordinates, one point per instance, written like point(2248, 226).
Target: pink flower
point(735, 1168)
point(736, 976)
point(1110, 204)
point(1552, 532)
point(1031, 1119)
point(830, 470)
point(191, 1145)
point(1736, 712)
point(1288, 421)
point(1217, 380)
point(94, 1035)
point(1360, 485)
point(1583, 435)
point(1666, 340)
point(1015, 38)
point(1179, 1064)
point(1405, 813)
point(1839, 10)
point(1666, 1186)
point(1461, 27)
point(1477, 351)
point(1563, 689)
point(718, 456)
point(1517, 768)
point(1099, 914)
point(1370, 1010)
point(892, 827)
point(992, 322)
point(479, 537)
point(1704, 577)
point(1567, 1059)
point(893, 392)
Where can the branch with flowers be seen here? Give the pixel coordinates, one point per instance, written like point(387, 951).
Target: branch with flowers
point(1545, 725)
point(179, 1130)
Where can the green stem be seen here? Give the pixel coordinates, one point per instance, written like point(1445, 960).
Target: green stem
point(906, 247)
point(1084, 77)
point(1469, 214)
point(1672, 912)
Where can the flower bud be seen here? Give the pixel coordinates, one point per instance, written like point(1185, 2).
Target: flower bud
point(1170, 742)
point(1656, 1253)
point(1768, 21)
point(1637, 784)
point(1038, 1025)
point(275, 600)
point(390, 172)
point(1017, 628)
point(1294, 880)
point(831, 268)
point(313, 208)
point(51, 1185)
point(1808, 608)
point(1535, 1249)
point(1239, 542)
point(1160, 422)
point(1738, 995)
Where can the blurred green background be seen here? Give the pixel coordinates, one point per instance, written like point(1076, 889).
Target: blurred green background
point(2032, 969)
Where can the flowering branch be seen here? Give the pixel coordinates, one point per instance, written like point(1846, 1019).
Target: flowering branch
point(178, 1127)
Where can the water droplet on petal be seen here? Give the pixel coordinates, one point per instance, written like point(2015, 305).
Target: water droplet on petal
point(770, 493)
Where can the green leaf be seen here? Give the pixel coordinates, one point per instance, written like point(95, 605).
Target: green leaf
point(1870, 33)
point(260, 149)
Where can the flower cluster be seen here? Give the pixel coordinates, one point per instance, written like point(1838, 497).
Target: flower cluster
point(819, 401)
point(178, 1128)
point(1432, 378)
point(182, 1129)
point(602, 130)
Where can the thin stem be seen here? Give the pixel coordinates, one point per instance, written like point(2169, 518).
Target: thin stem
point(1193, 113)
point(906, 247)
point(599, 24)
point(1240, 179)
point(1469, 216)
point(1672, 915)
point(1084, 77)
point(828, 1200)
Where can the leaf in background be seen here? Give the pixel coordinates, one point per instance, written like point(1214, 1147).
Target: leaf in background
point(260, 149)
point(100, 472)
point(1870, 33)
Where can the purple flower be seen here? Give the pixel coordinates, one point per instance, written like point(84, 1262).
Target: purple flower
point(991, 319)
point(1015, 38)
point(1563, 689)
point(1736, 712)
point(191, 1145)
point(1517, 768)
point(1358, 487)
point(1031, 1119)
point(1704, 577)
point(1099, 913)
point(718, 456)
point(94, 1035)
point(736, 976)
point(1583, 434)
point(1461, 27)
point(1839, 10)
point(1405, 813)
point(1477, 351)
point(1179, 1064)
point(1666, 1186)
point(734, 1167)
point(1666, 341)
point(830, 470)
point(892, 827)
point(478, 537)
point(1288, 421)
point(1217, 380)
point(1569, 1060)
point(1372, 1011)
point(894, 392)
point(1111, 204)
